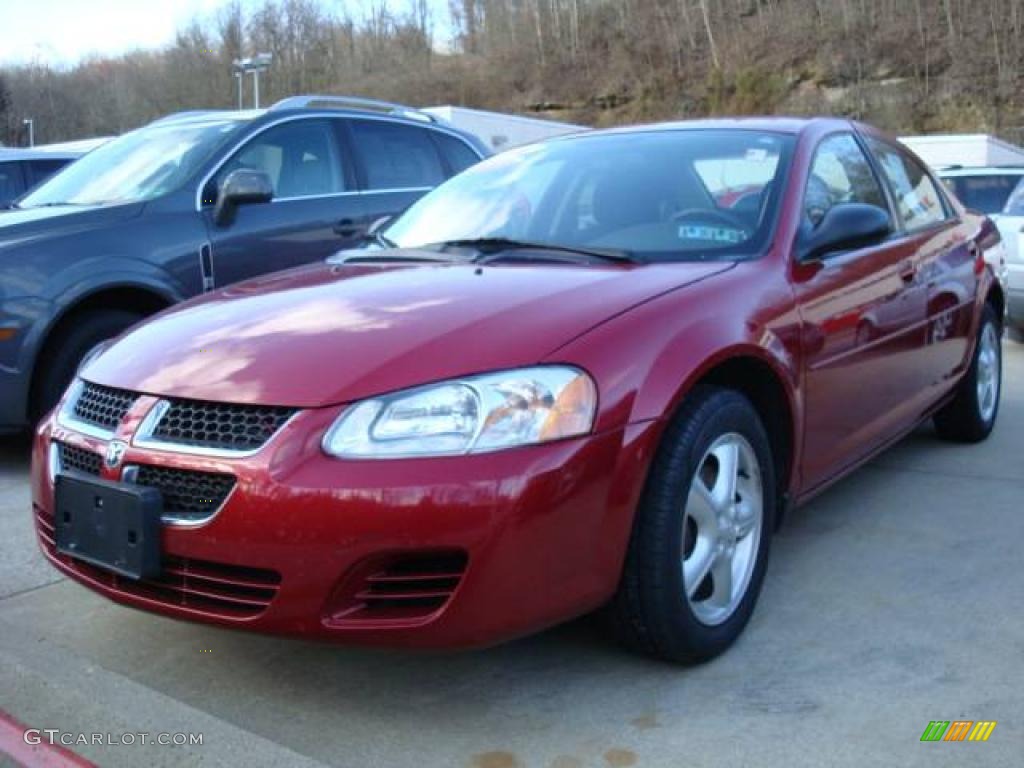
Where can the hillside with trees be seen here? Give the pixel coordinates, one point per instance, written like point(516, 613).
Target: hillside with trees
point(907, 65)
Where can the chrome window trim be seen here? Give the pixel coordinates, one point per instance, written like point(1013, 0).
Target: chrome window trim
point(66, 416)
point(331, 116)
point(143, 437)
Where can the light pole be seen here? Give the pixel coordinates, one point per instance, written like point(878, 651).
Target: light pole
point(238, 78)
point(30, 124)
point(253, 65)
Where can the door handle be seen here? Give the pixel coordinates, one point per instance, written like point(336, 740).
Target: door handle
point(907, 271)
point(347, 228)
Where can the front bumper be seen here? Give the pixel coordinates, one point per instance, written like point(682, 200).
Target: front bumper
point(535, 536)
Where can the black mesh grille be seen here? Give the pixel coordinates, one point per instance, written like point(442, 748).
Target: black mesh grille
point(79, 459)
point(103, 406)
point(187, 494)
point(220, 425)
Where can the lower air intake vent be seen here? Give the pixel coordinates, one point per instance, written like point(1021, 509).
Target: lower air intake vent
point(219, 589)
point(399, 589)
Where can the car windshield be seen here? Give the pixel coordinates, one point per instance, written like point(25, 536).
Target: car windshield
point(987, 193)
point(668, 195)
point(138, 166)
point(1015, 203)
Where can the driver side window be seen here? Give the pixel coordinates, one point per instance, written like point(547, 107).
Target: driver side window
point(840, 173)
point(300, 157)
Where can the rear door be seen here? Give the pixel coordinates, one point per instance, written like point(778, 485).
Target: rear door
point(396, 164)
point(944, 258)
point(863, 320)
point(316, 209)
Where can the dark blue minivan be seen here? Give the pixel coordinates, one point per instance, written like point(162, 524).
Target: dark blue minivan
point(192, 202)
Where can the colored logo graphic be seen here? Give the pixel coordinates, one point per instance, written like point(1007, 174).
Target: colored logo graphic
point(958, 730)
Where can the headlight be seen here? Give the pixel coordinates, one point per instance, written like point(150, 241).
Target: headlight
point(477, 414)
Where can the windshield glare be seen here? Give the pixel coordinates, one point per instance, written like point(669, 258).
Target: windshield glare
point(138, 166)
point(665, 195)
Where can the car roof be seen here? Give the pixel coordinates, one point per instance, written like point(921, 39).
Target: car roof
point(990, 170)
point(791, 125)
point(35, 153)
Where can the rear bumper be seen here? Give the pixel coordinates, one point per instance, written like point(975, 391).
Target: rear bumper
point(536, 535)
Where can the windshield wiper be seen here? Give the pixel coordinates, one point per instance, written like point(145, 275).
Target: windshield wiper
point(493, 248)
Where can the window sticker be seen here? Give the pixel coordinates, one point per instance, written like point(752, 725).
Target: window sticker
point(711, 234)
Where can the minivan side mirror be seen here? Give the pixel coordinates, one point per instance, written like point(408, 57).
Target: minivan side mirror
point(241, 187)
point(844, 227)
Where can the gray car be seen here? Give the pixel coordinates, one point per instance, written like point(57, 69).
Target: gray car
point(192, 202)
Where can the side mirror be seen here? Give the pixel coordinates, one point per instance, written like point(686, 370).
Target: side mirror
point(844, 227)
point(241, 187)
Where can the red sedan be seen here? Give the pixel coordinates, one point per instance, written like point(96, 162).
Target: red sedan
point(591, 372)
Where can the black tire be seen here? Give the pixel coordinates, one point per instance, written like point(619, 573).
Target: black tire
point(650, 612)
point(963, 419)
point(65, 350)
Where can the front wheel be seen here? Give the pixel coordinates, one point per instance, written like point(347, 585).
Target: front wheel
point(700, 541)
point(971, 415)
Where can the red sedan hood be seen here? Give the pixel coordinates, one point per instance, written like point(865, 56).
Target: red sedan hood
point(328, 334)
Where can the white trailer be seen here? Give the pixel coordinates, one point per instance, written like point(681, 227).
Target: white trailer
point(502, 131)
point(970, 150)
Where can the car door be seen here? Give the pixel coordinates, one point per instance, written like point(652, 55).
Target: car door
point(316, 209)
point(945, 257)
point(862, 318)
point(396, 164)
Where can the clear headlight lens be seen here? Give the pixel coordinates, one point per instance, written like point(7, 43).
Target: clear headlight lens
point(472, 415)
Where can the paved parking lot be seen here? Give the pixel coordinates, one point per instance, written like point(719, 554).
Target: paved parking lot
point(892, 600)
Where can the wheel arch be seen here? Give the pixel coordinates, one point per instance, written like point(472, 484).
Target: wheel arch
point(142, 298)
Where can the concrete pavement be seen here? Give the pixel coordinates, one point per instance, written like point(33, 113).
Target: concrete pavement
point(892, 600)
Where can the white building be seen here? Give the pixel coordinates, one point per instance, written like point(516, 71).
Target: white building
point(971, 150)
point(501, 131)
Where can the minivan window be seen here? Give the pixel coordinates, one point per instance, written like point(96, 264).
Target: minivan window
point(987, 193)
point(396, 156)
point(138, 166)
point(301, 158)
point(662, 196)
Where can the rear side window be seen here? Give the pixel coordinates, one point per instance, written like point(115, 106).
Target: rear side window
point(44, 169)
point(10, 182)
point(918, 199)
point(840, 173)
point(456, 153)
point(396, 156)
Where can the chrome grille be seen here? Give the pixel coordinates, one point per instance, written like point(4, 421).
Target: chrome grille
point(102, 406)
point(219, 426)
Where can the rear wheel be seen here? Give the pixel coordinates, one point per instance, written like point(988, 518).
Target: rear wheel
point(700, 541)
point(68, 347)
point(971, 415)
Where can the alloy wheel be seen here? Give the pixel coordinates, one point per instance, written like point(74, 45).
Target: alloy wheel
point(722, 528)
